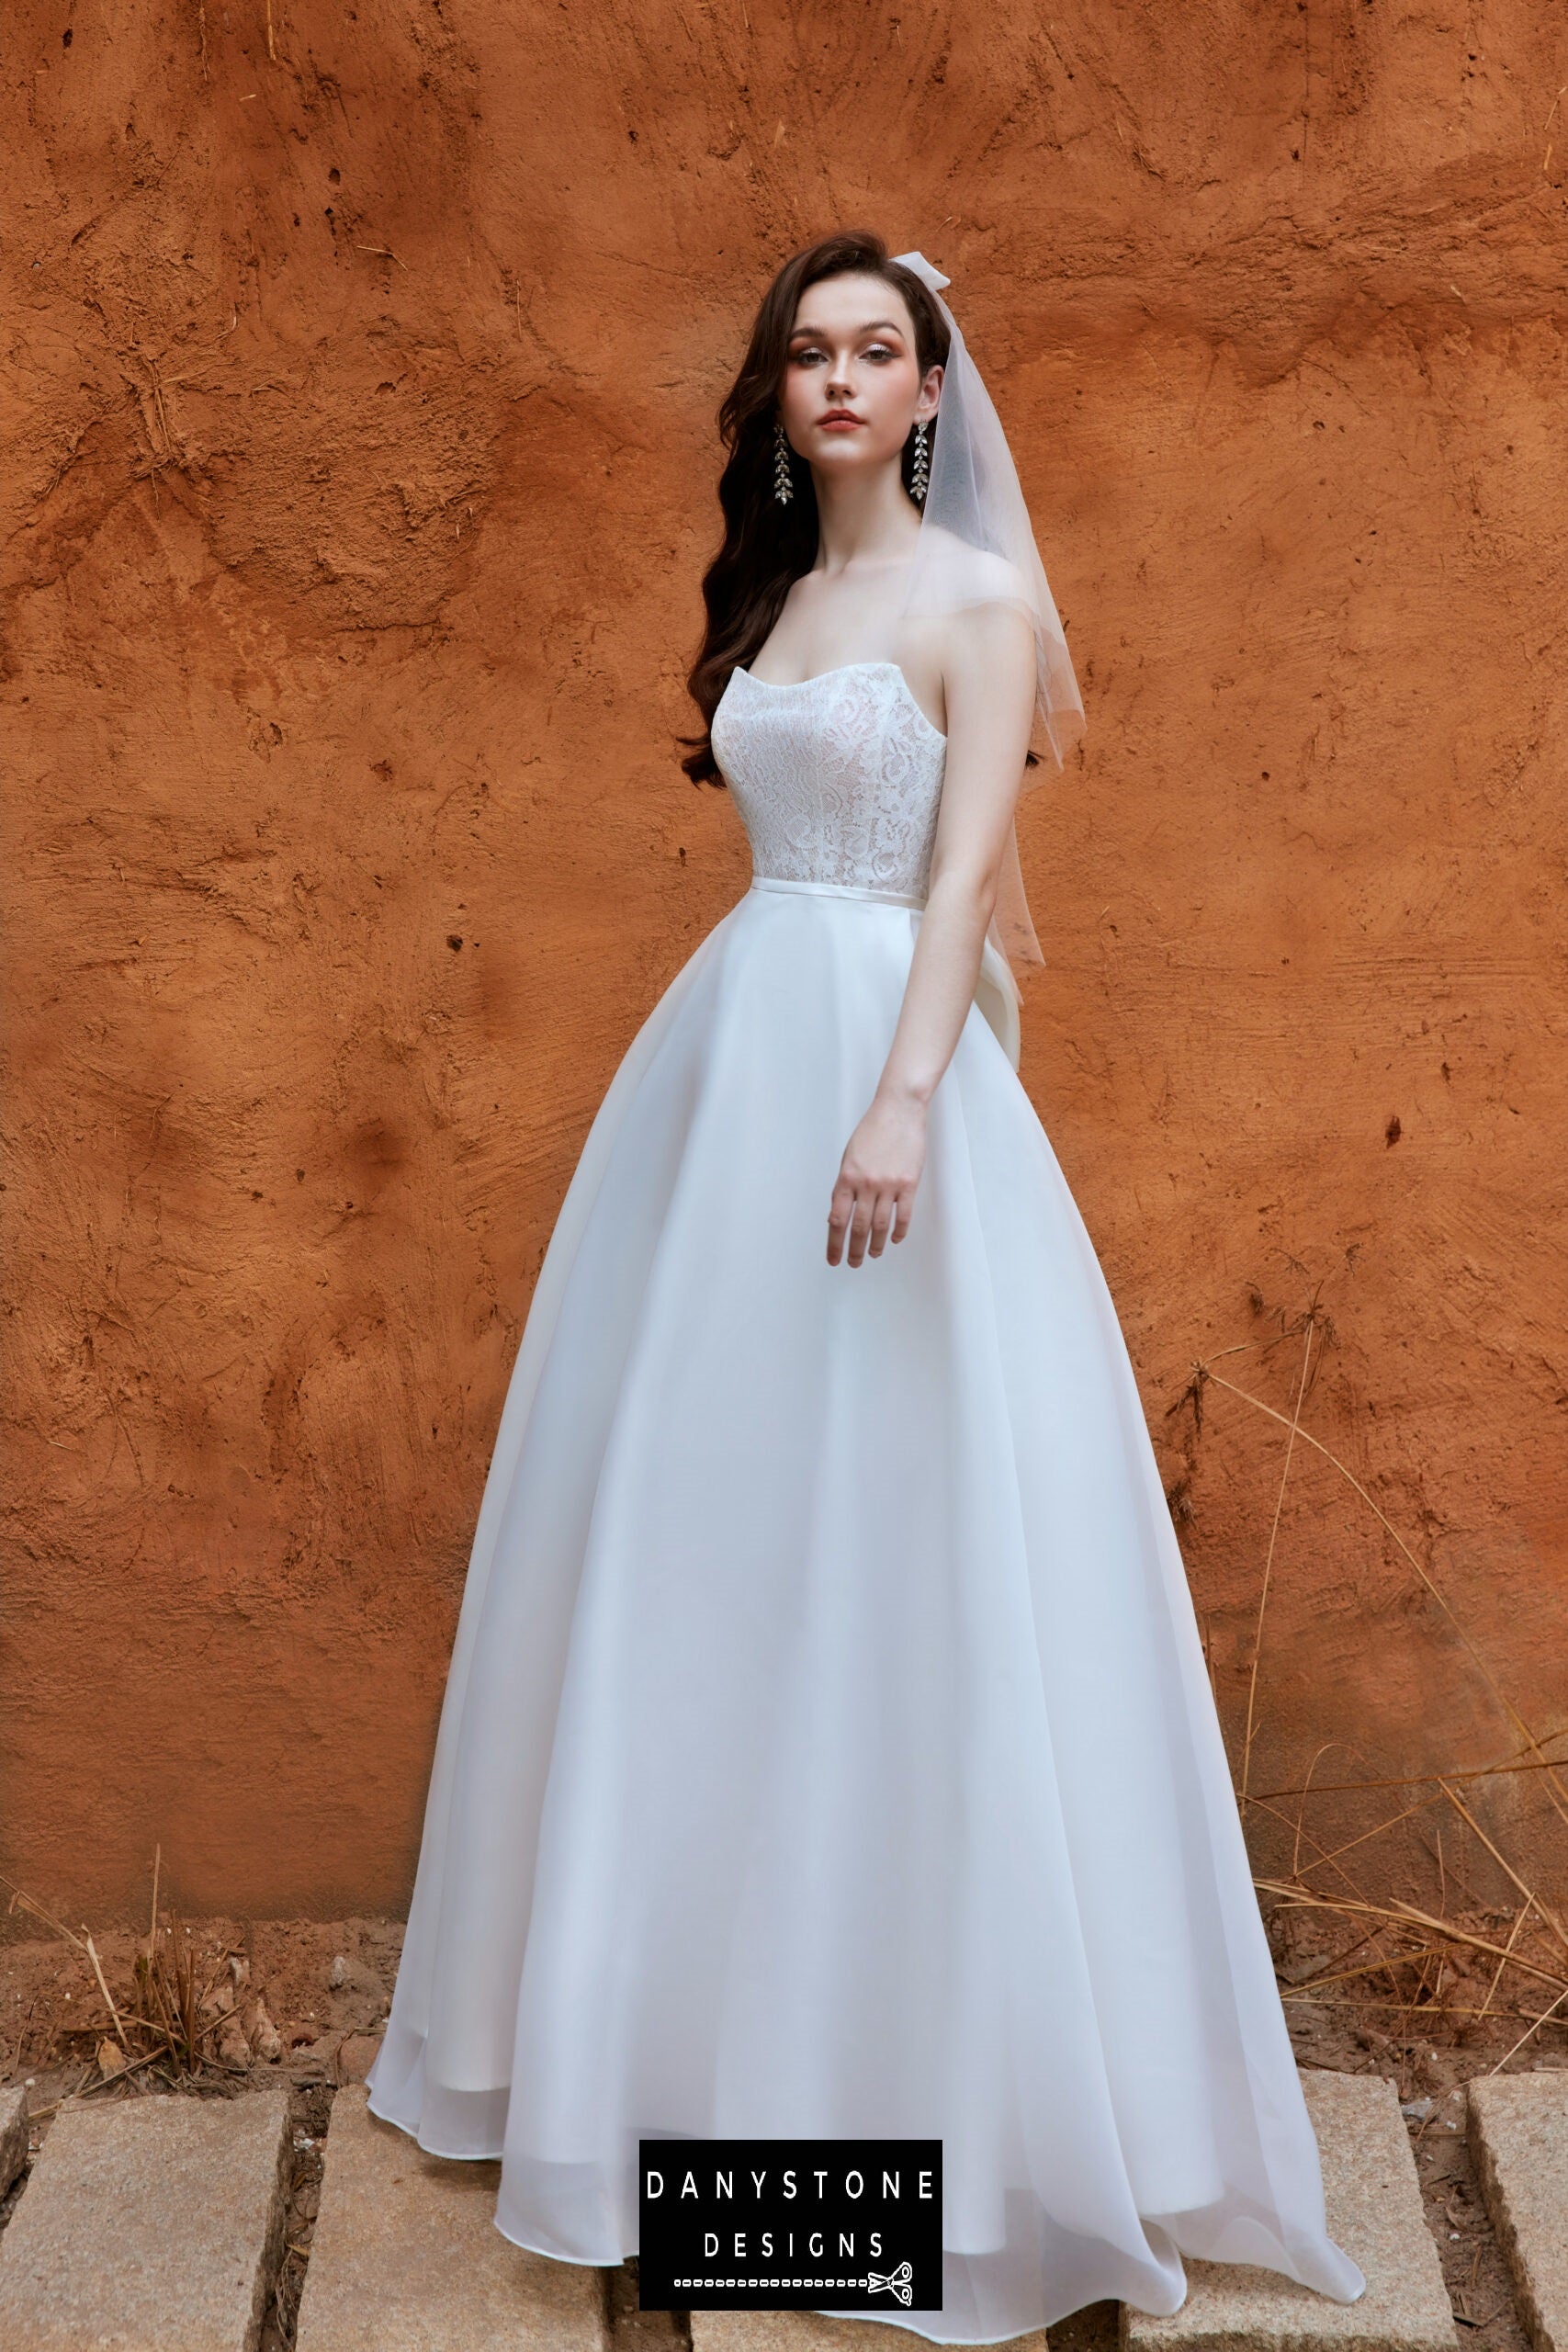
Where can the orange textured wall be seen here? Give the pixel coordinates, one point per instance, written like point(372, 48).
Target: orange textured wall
point(359, 374)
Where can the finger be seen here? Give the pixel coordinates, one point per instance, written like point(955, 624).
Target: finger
point(838, 1211)
point(859, 1227)
point(881, 1219)
point(905, 1211)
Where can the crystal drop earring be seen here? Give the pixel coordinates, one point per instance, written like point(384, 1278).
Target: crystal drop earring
point(919, 480)
point(783, 486)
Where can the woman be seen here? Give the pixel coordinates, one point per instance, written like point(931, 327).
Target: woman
point(828, 1747)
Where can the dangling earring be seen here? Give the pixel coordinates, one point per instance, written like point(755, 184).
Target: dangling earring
point(918, 483)
point(783, 486)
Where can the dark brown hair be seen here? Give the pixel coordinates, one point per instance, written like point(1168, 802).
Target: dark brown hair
point(767, 547)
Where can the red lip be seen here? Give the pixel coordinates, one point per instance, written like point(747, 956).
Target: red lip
point(840, 416)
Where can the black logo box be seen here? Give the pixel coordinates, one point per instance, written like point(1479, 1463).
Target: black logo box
point(789, 2224)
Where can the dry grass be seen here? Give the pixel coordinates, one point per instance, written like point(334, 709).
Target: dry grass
point(187, 2030)
point(1419, 1954)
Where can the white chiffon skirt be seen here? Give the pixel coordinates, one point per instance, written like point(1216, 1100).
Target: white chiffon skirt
point(828, 1747)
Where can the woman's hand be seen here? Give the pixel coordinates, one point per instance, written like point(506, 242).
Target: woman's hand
point(876, 1191)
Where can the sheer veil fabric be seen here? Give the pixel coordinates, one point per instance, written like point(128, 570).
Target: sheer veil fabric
point(977, 546)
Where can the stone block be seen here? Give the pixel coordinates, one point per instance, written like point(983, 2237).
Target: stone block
point(14, 2138)
point(406, 2256)
point(148, 2223)
point(792, 2331)
point(1373, 2199)
point(1519, 2131)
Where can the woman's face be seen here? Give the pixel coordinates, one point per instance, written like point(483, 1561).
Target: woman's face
point(851, 383)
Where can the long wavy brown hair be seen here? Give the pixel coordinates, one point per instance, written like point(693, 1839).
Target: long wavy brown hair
point(767, 546)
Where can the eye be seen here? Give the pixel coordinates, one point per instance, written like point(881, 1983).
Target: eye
point(880, 351)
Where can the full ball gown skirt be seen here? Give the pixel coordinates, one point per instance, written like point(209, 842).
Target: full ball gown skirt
point(828, 1747)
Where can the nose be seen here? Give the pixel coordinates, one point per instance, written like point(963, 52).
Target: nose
point(838, 379)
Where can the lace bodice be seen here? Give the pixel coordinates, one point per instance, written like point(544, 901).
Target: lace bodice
point(838, 778)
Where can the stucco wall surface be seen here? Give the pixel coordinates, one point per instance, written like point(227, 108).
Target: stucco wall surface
point(358, 368)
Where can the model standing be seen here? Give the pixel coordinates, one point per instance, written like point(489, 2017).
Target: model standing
point(828, 1747)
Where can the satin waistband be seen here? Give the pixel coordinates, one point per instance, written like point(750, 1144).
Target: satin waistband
point(837, 890)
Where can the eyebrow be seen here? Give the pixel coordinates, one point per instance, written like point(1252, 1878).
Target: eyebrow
point(819, 332)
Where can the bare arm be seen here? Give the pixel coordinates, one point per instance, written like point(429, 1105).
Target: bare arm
point(989, 686)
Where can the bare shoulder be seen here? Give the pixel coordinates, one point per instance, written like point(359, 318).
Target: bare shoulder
point(971, 575)
point(990, 647)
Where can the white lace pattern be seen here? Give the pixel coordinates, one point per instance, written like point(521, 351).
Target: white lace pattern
point(838, 778)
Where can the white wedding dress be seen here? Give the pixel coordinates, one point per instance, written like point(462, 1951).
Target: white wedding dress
point(828, 1747)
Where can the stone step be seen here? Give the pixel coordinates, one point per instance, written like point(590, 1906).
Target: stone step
point(153, 2221)
point(14, 2137)
point(793, 2331)
point(1373, 2200)
point(406, 2256)
point(1372, 2196)
point(157, 2222)
point(1373, 2214)
point(1518, 2132)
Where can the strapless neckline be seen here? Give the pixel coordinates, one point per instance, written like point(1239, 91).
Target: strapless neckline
point(793, 686)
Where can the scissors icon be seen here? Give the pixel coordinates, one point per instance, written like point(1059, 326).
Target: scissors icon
point(897, 2282)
